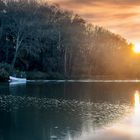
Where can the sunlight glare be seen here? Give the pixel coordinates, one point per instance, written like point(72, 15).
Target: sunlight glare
point(136, 48)
point(137, 101)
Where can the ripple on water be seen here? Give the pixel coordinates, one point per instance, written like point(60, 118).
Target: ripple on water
point(11, 103)
point(86, 113)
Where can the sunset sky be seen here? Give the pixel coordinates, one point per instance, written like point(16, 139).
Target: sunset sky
point(119, 16)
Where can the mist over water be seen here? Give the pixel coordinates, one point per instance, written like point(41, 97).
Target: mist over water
point(70, 111)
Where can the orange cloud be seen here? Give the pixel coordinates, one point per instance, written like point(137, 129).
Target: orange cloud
point(119, 16)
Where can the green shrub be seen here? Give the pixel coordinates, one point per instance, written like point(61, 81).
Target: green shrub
point(4, 71)
point(55, 76)
point(6, 67)
point(4, 75)
point(36, 75)
point(19, 74)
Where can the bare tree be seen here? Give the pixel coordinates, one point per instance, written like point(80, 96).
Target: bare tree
point(19, 37)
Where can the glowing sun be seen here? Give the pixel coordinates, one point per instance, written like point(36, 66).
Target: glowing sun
point(136, 48)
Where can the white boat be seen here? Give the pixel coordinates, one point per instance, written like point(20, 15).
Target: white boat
point(15, 79)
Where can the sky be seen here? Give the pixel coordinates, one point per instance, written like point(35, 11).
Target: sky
point(119, 16)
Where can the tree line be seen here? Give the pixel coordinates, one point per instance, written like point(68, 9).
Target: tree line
point(41, 41)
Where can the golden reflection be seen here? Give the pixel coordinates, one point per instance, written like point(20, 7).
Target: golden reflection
point(137, 101)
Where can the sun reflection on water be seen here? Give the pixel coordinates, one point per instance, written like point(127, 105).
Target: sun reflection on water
point(137, 102)
point(127, 128)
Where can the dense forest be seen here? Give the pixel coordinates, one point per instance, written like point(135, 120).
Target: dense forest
point(43, 41)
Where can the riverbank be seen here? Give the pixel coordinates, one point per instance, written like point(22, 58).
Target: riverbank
point(84, 80)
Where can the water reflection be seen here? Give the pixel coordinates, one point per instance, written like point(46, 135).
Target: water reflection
point(70, 111)
point(136, 117)
point(137, 102)
point(125, 129)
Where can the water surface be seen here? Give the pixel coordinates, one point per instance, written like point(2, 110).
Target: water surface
point(69, 111)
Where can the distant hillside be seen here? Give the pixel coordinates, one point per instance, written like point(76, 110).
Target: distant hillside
point(42, 41)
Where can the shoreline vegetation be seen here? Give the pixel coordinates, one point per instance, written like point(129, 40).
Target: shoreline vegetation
point(40, 41)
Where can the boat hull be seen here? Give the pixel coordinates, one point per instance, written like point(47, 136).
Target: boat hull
point(14, 79)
